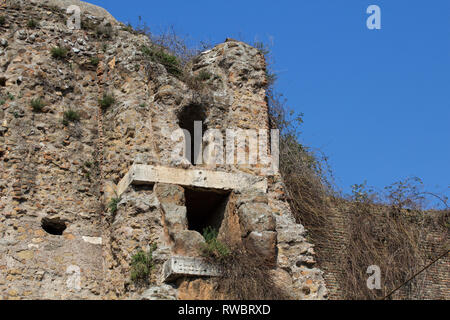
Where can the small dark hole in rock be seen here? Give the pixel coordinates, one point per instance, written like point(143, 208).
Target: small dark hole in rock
point(143, 187)
point(306, 290)
point(2, 81)
point(53, 226)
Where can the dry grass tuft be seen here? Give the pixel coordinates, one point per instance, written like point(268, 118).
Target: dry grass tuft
point(245, 277)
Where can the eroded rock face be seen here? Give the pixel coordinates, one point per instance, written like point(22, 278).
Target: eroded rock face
point(60, 237)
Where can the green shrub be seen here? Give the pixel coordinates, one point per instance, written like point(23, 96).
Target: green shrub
point(113, 205)
point(147, 51)
point(128, 28)
point(107, 101)
point(170, 62)
point(204, 75)
point(94, 61)
point(88, 164)
point(37, 105)
point(142, 266)
point(2, 102)
point(10, 96)
point(213, 247)
point(70, 116)
point(58, 52)
point(2, 20)
point(32, 24)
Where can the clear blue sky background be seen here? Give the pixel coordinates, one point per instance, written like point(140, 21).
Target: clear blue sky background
point(377, 102)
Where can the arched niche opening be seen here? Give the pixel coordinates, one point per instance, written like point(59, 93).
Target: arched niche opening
point(186, 120)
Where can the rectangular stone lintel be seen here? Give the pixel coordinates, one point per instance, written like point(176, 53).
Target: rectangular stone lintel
point(146, 174)
point(177, 266)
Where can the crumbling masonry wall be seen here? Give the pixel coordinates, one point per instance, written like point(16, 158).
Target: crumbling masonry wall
point(59, 240)
point(67, 173)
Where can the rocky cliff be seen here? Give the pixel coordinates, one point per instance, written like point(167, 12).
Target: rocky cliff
point(86, 182)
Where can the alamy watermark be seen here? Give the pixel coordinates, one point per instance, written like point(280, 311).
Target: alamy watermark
point(374, 20)
point(74, 277)
point(230, 146)
point(374, 281)
point(74, 21)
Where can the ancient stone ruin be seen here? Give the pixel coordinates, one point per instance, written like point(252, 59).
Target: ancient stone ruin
point(83, 187)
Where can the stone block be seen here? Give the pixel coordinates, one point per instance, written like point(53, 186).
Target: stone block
point(265, 244)
point(175, 217)
point(163, 292)
point(187, 242)
point(178, 266)
point(147, 174)
point(256, 217)
point(170, 193)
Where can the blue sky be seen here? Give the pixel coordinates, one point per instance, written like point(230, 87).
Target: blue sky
point(377, 102)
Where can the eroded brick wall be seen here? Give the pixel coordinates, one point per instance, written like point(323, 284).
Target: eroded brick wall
point(433, 284)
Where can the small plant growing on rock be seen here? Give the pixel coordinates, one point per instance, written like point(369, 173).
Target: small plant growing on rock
point(32, 24)
point(88, 164)
point(213, 248)
point(2, 20)
point(10, 96)
point(128, 28)
point(142, 266)
point(113, 205)
point(204, 75)
point(70, 116)
point(37, 105)
point(58, 52)
point(107, 101)
point(94, 61)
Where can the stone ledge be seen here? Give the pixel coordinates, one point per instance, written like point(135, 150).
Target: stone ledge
point(146, 174)
point(177, 267)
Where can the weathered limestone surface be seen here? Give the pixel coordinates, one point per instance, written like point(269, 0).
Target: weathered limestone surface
point(70, 172)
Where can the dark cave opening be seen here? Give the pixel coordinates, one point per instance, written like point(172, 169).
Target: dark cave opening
point(205, 208)
point(53, 226)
